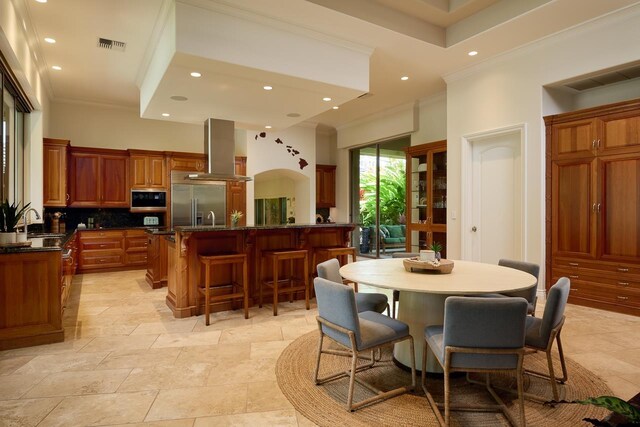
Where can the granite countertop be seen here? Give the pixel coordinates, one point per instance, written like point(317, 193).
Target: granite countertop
point(259, 227)
point(40, 244)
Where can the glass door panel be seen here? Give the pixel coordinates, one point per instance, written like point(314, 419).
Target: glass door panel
point(439, 186)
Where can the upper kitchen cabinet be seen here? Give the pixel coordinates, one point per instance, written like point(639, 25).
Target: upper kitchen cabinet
point(325, 186)
point(54, 185)
point(237, 192)
point(99, 178)
point(188, 162)
point(147, 170)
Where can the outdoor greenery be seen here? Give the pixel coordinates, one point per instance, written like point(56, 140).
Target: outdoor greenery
point(392, 194)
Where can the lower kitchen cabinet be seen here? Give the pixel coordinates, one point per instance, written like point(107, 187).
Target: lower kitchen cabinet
point(112, 249)
point(156, 260)
point(69, 266)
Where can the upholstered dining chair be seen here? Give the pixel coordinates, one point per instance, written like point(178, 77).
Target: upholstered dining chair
point(482, 335)
point(529, 294)
point(377, 302)
point(542, 332)
point(396, 293)
point(339, 320)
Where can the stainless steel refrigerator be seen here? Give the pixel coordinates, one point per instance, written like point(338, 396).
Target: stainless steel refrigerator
point(192, 201)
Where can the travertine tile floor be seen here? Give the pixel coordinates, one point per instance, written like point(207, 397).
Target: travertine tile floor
point(126, 361)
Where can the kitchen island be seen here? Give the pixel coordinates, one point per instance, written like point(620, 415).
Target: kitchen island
point(185, 274)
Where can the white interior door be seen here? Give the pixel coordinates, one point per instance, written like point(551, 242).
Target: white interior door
point(496, 219)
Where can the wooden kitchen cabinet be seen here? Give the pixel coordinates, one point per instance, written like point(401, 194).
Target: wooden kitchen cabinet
point(156, 260)
point(135, 245)
point(99, 178)
point(69, 266)
point(54, 188)
point(188, 162)
point(101, 249)
point(325, 186)
point(147, 170)
point(237, 193)
point(593, 205)
point(426, 196)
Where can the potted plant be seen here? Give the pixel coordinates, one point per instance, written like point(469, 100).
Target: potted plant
point(624, 413)
point(235, 217)
point(437, 248)
point(9, 216)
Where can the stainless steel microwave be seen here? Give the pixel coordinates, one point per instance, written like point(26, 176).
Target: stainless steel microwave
point(148, 200)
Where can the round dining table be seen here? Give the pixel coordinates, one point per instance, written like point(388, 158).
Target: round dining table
point(423, 292)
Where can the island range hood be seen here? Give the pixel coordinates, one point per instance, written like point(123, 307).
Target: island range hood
point(219, 150)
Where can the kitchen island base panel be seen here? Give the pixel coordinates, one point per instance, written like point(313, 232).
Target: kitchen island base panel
point(184, 272)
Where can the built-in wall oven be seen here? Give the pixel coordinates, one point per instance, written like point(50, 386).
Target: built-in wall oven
point(148, 201)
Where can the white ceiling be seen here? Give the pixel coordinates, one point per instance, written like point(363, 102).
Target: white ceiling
point(422, 39)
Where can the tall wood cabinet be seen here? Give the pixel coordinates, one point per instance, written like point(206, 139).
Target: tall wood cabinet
point(54, 164)
point(427, 196)
point(148, 169)
point(593, 205)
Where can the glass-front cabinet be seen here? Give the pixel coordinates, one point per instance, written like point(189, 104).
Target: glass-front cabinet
point(427, 196)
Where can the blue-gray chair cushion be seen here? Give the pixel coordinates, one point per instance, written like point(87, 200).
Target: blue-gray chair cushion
point(330, 270)
point(337, 304)
point(530, 308)
point(377, 329)
point(371, 302)
point(481, 323)
point(532, 336)
point(553, 309)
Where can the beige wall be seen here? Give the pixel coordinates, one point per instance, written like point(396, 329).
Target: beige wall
point(120, 128)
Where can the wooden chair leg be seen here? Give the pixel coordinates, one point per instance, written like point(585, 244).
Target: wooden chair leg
point(245, 287)
point(307, 285)
point(260, 281)
point(275, 286)
point(207, 277)
point(552, 377)
point(291, 281)
point(563, 364)
point(352, 379)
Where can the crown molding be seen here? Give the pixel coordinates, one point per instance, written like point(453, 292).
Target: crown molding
point(70, 101)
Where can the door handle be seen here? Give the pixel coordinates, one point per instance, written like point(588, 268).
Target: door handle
point(474, 228)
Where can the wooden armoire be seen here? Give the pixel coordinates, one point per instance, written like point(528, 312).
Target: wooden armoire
point(593, 205)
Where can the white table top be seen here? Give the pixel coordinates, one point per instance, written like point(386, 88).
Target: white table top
point(466, 278)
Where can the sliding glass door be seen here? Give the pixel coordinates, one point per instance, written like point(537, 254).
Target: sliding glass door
point(378, 198)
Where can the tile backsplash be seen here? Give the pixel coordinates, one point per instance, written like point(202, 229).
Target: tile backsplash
point(106, 218)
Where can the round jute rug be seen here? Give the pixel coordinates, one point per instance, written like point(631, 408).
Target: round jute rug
point(325, 404)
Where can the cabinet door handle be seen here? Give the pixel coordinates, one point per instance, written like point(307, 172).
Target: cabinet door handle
point(593, 144)
point(67, 197)
point(574, 264)
point(623, 283)
point(598, 144)
point(598, 207)
point(593, 208)
point(573, 277)
point(622, 298)
point(623, 270)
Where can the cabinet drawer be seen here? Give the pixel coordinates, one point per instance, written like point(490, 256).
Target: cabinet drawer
point(98, 234)
point(133, 244)
point(100, 244)
point(597, 289)
point(106, 260)
point(136, 258)
point(621, 282)
point(604, 269)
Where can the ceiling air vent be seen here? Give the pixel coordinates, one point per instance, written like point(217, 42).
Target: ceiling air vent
point(111, 44)
point(605, 79)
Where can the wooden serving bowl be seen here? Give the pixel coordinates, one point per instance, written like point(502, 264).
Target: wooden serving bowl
point(415, 265)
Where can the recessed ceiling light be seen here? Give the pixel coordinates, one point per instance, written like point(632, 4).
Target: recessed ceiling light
point(196, 74)
point(472, 53)
point(49, 40)
point(56, 67)
point(41, 1)
point(267, 127)
point(326, 99)
point(179, 98)
point(404, 78)
point(165, 114)
point(267, 87)
point(293, 115)
point(335, 107)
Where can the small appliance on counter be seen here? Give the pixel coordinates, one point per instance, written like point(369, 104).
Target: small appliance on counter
point(151, 220)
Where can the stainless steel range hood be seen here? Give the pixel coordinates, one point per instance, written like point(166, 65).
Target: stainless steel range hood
point(219, 150)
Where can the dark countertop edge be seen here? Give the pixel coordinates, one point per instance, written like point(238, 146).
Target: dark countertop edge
point(24, 249)
point(261, 227)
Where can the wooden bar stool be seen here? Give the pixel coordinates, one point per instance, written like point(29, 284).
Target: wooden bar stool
point(294, 283)
point(237, 290)
point(341, 253)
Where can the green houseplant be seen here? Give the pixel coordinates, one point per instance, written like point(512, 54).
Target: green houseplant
point(235, 217)
point(9, 217)
point(437, 248)
point(627, 413)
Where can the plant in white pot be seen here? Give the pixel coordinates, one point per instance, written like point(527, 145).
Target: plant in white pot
point(9, 216)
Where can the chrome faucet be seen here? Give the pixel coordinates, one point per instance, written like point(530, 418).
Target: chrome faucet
point(212, 215)
point(24, 219)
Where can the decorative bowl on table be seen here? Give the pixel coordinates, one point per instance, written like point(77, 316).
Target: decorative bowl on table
point(414, 265)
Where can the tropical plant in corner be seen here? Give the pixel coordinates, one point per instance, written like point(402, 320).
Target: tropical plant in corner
point(235, 217)
point(630, 413)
